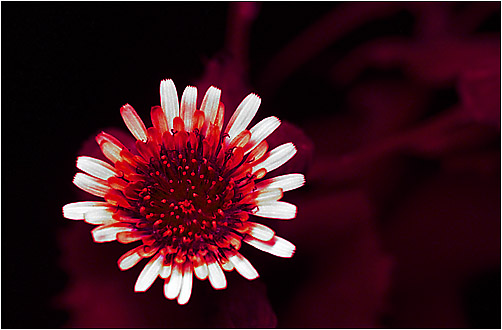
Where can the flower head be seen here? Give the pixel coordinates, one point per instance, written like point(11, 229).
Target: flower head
point(187, 190)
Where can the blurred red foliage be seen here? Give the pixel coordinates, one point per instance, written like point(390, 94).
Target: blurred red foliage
point(400, 216)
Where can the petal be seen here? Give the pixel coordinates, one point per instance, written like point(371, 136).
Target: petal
point(243, 115)
point(260, 231)
point(218, 121)
point(227, 265)
point(154, 136)
point(110, 146)
point(172, 285)
point(100, 216)
point(149, 274)
point(105, 137)
point(277, 246)
point(277, 210)
point(210, 105)
point(267, 196)
point(276, 157)
point(188, 106)
point(159, 119)
point(169, 101)
point(201, 271)
point(116, 198)
point(261, 131)
point(127, 237)
point(216, 275)
point(134, 122)
point(286, 182)
point(118, 183)
point(92, 185)
point(178, 124)
point(108, 233)
point(243, 266)
point(186, 284)
point(96, 167)
point(77, 210)
point(258, 151)
point(240, 140)
point(165, 271)
point(111, 151)
point(198, 120)
point(130, 258)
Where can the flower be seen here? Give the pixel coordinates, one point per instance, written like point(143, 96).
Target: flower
point(187, 191)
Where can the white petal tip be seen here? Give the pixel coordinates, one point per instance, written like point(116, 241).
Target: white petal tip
point(244, 267)
point(108, 233)
point(260, 231)
point(277, 210)
point(216, 276)
point(277, 157)
point(277, 246)
point(172, 285)
point(166, 82)
point(139, 288)
point(134, 122)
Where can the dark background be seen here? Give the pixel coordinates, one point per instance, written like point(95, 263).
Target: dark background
point(399, 223)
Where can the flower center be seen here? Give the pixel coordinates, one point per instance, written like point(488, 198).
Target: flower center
point(187, 203)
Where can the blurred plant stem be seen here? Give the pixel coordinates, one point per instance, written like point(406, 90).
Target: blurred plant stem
point(450, 130)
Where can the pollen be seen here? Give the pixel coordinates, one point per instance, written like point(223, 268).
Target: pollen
point(192, 202)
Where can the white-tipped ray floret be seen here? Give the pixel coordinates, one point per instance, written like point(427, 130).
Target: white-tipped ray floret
point(277, 246)
point(186, 284)
point(169, 101)
point(261, 131)
point(227, 266)
point(243, 266)
point(286, 182)
point(100, 216)
point(210, 105)
point(188, 106)
point(129, 259)
point(201, 271)
point(243, 115)
point(92, 185)
point(110, 146)
point(260, 231)
point(149, 273)
point(267, 196)
point(134, 122)
point(276, 158)
point(105, 137)
point(277, 210)
point(108, 233)
point(77, 210)
point(216, 275)
point(96, 167)
point(111, 151)
point(165, 271)
point(172, 285)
